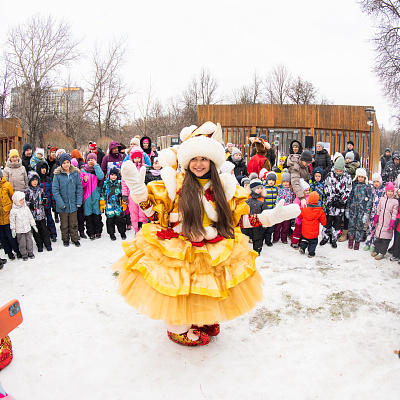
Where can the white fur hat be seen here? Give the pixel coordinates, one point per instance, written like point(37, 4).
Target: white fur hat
point(205, 141)
point(303, 184)
point(360, 172)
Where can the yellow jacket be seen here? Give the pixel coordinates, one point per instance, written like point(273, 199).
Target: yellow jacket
point(6, 191)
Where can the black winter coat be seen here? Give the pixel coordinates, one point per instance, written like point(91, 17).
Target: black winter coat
point(240, 167)
point(356, 155)
point(323, 160)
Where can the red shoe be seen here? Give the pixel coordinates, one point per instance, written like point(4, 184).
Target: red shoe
point(128, 227)
point(6, 354)
point(210, 330)
point(185, 341)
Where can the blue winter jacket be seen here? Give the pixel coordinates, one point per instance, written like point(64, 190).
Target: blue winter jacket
point(67, 190)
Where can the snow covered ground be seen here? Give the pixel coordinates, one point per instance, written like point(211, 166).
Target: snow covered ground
point(326, 329)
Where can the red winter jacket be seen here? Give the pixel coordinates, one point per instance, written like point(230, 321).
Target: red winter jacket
point(312, 216)
point(255, 164)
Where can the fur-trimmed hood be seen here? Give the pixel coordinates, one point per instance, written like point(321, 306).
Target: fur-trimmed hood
point(59, 170)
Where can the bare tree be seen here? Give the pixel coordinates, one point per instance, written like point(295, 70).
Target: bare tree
point(278, 84)
point(36, 52)
point(108, 92)
point(302, 92)
point(251, 94)
point(387, 44)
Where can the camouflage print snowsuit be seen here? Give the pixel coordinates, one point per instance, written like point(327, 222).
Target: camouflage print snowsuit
point(337, 190)
point(359, 204)
point(376, 195)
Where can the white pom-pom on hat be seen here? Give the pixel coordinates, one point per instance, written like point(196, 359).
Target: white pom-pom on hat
point(186, 132)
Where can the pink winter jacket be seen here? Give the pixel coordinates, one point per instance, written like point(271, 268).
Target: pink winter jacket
point(297, 201)
point(137, 214)
point(387, 211)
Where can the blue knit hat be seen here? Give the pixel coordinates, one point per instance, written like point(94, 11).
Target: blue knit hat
point(63, 157)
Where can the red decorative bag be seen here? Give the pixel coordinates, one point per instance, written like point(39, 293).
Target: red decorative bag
point(6, 353)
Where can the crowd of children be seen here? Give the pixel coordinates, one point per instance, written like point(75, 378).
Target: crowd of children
point(76, 192)
point(371, 210)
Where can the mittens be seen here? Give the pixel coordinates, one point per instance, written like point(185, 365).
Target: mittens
point(392, 224)
point(134, 179)
point(102, 205)
point(278, 214)
point(347, 213)
point(376, 219)
point(365, 218)
point(13, 233)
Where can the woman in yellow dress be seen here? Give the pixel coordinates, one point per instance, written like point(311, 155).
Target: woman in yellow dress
point(191, 266)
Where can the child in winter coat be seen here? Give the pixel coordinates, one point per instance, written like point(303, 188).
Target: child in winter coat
point(36, 200)
point(317, 185)
point(67, 192)
point(358, 208)
point(296, 235)
point(137, 215)
point(111, 202)
point(91, 175)
point(80, 213)
point(351, 164)
point(385, 219)
point(271, 193)
point(396, 242)
point(39, 156)
point(7, 241)
point(21, 224)
point(257, 205)
point(154, 173)
point(377, 192)
point(15, 172)
point(337, 188)
point(46, 185)
point(284, 193)
point(281, 161)
point(311, 217)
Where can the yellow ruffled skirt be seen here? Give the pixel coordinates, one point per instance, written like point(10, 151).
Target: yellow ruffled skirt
point(182, 284)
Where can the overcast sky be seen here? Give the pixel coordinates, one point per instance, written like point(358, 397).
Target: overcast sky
point(325, 42)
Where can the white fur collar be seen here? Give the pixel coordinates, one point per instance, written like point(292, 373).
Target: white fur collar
point(229, 182)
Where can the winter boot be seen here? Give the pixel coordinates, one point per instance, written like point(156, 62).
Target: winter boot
point(351, 242)
point(323, 242)
point(371, 249)
point(185, 341)
point(334, 245)
point(367, 247)
point(356, 245)
point(379, 257)
point(343, 236)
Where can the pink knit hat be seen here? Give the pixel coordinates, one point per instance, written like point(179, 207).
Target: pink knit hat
point(389, 186)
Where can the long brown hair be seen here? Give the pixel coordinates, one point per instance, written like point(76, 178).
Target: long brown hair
point(190, 206)
point(267, 165)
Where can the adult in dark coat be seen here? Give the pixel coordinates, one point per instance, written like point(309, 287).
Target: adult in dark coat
point(294, 148)
point(350, 147)
point(114, 158)
point(386, 157)
point(392, 169)
point(322, 158)
point(240, 165)
point(26, 157)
